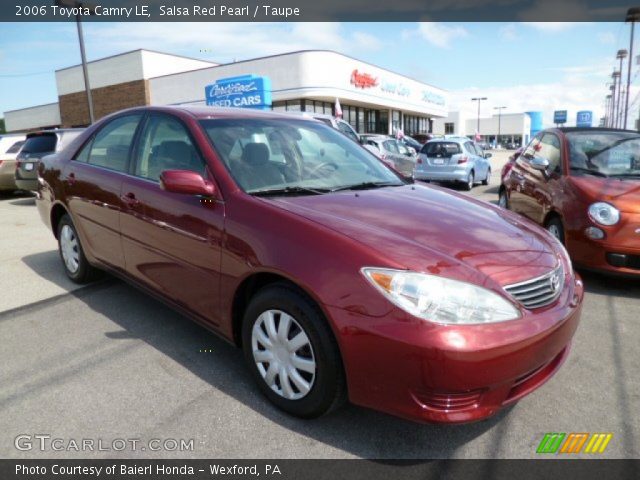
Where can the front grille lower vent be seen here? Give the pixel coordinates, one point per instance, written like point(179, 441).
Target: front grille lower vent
point(538, 292)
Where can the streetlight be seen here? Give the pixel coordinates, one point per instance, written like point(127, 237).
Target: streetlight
point(612, 96)
point(607, 104)
point(478, 99)
point(85, 71)
point(616, 97)
point(499, 119)
point(621, 55)
point(633, 15)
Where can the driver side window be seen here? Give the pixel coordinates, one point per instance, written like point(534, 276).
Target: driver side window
point(550, 150)
point(166, 145)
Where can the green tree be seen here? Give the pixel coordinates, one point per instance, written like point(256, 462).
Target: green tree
point(2, 129)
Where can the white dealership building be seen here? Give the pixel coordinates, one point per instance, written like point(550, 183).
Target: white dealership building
point(373, 99)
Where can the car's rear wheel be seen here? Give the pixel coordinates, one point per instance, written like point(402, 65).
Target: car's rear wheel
point(555, 228)
point(487, 179)
point(74, 261)
point(470, 181)
point(291, 352)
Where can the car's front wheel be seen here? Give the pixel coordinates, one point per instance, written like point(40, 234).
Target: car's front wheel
point(555, 228)
point(74, 261)
point(503, 200)
point(291, 352)
point(487, 179)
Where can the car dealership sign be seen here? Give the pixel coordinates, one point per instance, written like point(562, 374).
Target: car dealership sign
point(560, 117)
point(584, 119)
point(246, 91)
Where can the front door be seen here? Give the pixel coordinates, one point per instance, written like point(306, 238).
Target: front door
point(172, 242)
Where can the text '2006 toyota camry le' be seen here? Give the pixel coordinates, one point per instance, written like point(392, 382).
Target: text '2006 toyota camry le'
point(338, 278)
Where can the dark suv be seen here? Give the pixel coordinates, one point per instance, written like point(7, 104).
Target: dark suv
point(37, 145)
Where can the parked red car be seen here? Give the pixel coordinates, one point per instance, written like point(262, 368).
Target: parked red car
point(337, 277)
point(583, 185)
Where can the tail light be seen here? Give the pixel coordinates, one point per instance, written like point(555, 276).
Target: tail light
point(419, 160)
point(463, 160)
point(18, 163)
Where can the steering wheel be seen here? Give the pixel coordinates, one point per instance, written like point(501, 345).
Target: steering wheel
point(316, 169)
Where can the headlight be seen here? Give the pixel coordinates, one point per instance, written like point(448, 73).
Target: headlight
point(439, 299)
point(604, 213)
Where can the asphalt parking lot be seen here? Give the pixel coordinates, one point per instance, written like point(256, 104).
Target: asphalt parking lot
point(108, 362)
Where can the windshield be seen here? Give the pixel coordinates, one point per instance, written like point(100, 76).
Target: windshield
point(40, 144)
point(608, 154)
point(293, 155)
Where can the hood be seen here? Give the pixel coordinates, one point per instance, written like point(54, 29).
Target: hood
point(431, 230)
point(623, 194)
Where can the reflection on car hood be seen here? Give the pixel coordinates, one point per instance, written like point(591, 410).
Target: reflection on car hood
point(430, 229)
point(623, 193)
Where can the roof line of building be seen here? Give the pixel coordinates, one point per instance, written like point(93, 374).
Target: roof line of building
point(296, 53)
point(35, 106)
point(213, 64)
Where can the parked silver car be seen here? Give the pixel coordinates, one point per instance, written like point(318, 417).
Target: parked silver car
point(393, 152)
point(453, 160)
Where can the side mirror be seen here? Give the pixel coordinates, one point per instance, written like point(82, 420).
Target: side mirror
point(539, 163)
point(488, 155)
point(186, 182)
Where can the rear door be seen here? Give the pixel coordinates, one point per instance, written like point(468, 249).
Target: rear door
point(172, 242)
point(92, 183)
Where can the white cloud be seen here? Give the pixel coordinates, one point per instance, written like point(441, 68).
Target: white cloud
point(551, 27)
point(437, 34)
point(580, 87)
point(227, 41)
point(607, 38)
point(508, 32)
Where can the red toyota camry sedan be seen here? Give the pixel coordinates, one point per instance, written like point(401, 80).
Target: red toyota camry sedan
point(337, 277)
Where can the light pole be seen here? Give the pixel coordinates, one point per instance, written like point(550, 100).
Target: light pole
point(478, 99)
point(633, 15)
point(616, 97)
point(607, 103)
point(621, 55)
point(612, 95)
point(85, 71)
point(499, 120)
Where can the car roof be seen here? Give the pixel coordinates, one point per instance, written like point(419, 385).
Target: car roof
point(202, 112)
point(592, 129)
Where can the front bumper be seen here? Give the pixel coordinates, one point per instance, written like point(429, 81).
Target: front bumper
point(618, 253)
point(453, 374)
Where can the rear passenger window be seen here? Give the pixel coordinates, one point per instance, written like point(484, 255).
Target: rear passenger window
point(166, 145)
point(110, 146)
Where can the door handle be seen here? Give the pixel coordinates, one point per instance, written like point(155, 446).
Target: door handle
point(130, 200)
point(71, 178)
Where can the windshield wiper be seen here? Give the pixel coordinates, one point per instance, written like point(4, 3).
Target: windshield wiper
point(589, 171)
point(625, 175)
point(367, 186)
point(295, 190)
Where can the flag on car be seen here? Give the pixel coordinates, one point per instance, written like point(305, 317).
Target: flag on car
point(338, 109)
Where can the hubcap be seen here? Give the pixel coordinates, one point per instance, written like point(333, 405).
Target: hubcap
point(69, 249)
point(554, 230)
point(283, 354)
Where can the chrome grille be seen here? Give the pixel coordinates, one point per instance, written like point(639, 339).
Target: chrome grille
point(538, 292)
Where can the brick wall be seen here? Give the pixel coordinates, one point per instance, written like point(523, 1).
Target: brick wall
point(75, 112)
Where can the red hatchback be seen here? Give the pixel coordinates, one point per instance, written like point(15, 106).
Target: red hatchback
point(583, 185)
point(337, 277)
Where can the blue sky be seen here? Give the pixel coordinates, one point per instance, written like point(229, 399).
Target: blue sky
point(525, 66)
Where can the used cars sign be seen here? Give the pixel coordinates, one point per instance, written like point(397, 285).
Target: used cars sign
point(246, 91)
